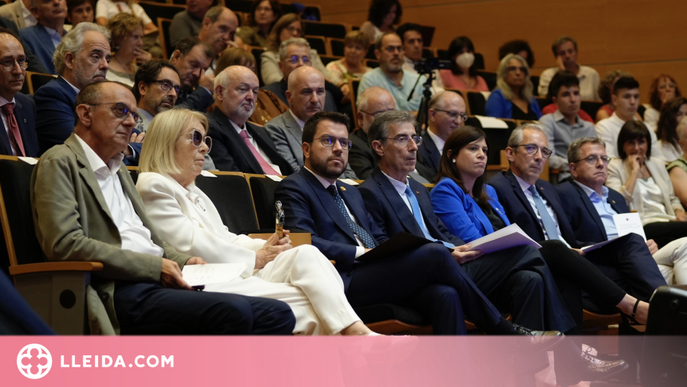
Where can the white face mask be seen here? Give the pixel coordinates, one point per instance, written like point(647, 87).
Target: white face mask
point(465, 60)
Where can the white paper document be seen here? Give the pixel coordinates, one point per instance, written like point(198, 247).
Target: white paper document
point(212, 273)
point(627, 223)
point(504, 238)
point(596, 246)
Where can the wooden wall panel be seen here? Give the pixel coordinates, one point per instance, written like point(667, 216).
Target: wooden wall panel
point(641, 36)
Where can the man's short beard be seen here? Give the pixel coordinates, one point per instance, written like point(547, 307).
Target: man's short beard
point(321, 168)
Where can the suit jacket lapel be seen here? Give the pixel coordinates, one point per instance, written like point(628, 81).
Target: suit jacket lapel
point(5, 139)
point(263, 143)
point(590, 208)
point(521, 195)
point(403, 213)
point(293, 129)
point(236, 139)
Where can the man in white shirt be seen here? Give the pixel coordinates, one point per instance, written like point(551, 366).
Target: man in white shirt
point(447, 112)
point(19, 12)
point(565, 52)
point(625, 97)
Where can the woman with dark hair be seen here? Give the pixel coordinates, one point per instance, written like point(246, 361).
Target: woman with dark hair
point(384, 14)
point(646, 186)
point(463, 72)
point(672, 113)
point(262, 17)
point(518, 47)
point(513, 97)
point(661, 91)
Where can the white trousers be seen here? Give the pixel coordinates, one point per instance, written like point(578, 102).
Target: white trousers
point(672, 261)
point(304, 279)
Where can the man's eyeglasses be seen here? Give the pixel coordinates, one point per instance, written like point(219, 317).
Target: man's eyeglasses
point(392, 49)
point(198, 139)
point(328, 141)
point(377, 112)
point(594, 159)
point(402, 140)
point(454, 115)
point(167, 85)
point(8, 64)
point(120, 110)
point(532, 149)
point(294, 60)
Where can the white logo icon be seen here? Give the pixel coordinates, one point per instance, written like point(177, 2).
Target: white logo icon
point(34, 361)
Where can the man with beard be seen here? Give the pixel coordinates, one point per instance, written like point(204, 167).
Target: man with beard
point(390, 75)
point(239, 145)
point(219, 31)
point(192, 57)
point(156, 89)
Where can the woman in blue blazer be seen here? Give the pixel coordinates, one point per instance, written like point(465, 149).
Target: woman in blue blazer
point(470, 209)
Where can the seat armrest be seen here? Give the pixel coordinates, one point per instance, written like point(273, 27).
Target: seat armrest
point(44, 267)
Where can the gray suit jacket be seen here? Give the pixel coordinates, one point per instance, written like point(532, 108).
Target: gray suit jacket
point(287, 136)
point(13, 11)
point(74, 223)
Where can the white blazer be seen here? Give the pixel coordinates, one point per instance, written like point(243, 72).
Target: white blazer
point(185, 218)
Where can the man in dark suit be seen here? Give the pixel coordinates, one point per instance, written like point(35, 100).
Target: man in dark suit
point(192, 57)
point(426, 278)
point(516, 280)
point(536, 207)
point(35, 64)
point(240, 145)
point(590, 207)
point(18, 134)
point(44, 37)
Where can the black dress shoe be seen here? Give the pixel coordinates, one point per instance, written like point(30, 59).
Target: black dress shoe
point(594, 369)
point(538, 340)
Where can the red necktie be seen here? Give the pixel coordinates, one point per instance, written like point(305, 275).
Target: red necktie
point(13, 129)
point(266, 168)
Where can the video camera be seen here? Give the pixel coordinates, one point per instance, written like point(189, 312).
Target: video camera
point(427, 65)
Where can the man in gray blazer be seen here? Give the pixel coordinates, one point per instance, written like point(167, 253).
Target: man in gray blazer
point(306, 95)
point(86, 208)
point(16, 12)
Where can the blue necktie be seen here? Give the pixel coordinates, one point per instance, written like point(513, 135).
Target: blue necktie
point(417, 213)
point(360, 232)
point(549, 223)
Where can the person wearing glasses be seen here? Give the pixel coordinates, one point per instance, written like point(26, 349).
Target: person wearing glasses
point(240, 145)
point(591, 206)
point(18, 111)
point(513, 96)
point(446, 114)
point(390, 75)
point(302, 277)
point(157, 86)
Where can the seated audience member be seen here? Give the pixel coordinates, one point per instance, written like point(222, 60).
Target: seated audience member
point(80, 11)
point(75, 186)
point(191, 58)
point(625, 98)
point(256, 30)
point(513, 97)
point(661, 91)
point(306, 95)
point(35, 64)
point(644, 183)
point(219, 31)
point(536, 207)
point(47, 33)
point(372, 102)
point(80, 59)
point(606, 92)
point(187, 23)
point(668, 142)
point(300, 276)
point(565, 124)
point(463, 72)
point(18, 111)
point(518, 47)
point(127, 45)
point(678, 168)
point(391, 76)
point(411, 37)
point(552, 107)
point(446, 114)
point(382, 17)
point(591, 207)
point(19, 12)
point(106, 9)
point(294, 53)
point(157, 86)
point(352, 65)
point(287, 27)
point(240, 145)
point(426, 278)
point(565, 52)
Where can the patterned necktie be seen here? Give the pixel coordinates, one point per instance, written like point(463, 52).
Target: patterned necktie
point(360, 232)
point(549, 223)
point(417, 213)
point(266, 168)
point(13, 129)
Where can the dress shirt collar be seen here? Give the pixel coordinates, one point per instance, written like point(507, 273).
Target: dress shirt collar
point(146, 114)
point(4, 102)
point(558, 116)
point(593, 195)
point(239, 129)
point(54, 35)
point(73, 87)
point(398, 185)
point(300, 123)
point(29, 19)
point(523, 184)
point(97, 164)
point(319, 178)
point(438, 141)
point(409, 62)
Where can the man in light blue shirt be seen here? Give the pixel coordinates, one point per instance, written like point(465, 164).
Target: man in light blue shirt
point(390, 75)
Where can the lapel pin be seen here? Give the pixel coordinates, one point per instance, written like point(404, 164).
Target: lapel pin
point(613, 201)
point(343, 188)
point(417, 192)
point(24, 120)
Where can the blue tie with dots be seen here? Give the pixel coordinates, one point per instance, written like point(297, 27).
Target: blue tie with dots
point(360, 232)
point(549, 223)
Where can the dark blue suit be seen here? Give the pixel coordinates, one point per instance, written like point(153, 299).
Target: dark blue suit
point(199, 99)
point(517, 279)
point(37, 38)
point(25, 113)
point(424, 278)
point(430, 155)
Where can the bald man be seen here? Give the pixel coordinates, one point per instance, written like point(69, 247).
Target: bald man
point(239, 145)
point(219, 31)
point(447, 112)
